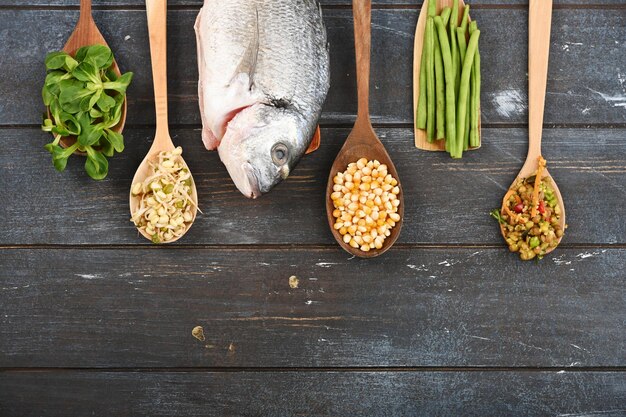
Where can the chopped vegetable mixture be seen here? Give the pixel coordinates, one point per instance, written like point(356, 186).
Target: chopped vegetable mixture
point(531, 215)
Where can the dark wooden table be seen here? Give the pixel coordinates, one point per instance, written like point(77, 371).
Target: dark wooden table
point(95, 321)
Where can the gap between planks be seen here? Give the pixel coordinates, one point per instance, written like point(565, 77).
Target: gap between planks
point(278, 247)
point(376, 125)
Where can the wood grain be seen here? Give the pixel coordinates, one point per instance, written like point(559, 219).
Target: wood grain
point(371, 394)
point(591, 94)
point(447, 202)
point(416, 3)
point(126, 307)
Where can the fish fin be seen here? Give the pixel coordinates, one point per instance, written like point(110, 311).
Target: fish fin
point(248, 62)
point(315, 142)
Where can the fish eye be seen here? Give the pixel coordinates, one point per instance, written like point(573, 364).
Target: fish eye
point(280, 154)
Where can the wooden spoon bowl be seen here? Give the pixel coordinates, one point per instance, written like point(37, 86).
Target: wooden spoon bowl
point(156, 11)
point(539, 23)
point(362, 142)
point(86, 33)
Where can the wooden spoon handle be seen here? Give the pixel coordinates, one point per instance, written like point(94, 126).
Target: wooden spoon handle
point(85, 9)
point(157, 29)
point(539, 21)
point(362, 12)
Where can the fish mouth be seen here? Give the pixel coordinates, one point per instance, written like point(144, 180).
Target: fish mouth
point(253, 190)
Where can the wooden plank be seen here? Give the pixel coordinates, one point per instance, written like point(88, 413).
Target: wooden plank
point(447, 201)
point(579, 89)
point(412, 307)
point(372, 394)
point(198, 3)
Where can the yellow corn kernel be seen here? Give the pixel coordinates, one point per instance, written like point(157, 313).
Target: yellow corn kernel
point(394, 216)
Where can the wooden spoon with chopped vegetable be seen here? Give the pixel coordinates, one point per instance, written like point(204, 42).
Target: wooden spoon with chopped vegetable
point(539, 21)
point(86, 33)
point(362, 141)
point(162, 145)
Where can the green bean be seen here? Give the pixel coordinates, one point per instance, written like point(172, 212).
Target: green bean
point(454, 47)
point(461, 37)
point(468, 62)
point(475, 98)
point(432, 8)
point(449, 77)
point(421, 103)
point(445, 15)
point(440, 90)
point(462, 41)
point(465, 19)
point(430, 79)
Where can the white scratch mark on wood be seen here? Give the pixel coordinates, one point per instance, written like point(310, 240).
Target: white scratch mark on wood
point(509, 103)
point(615, 101)
point(530, 346)
point(127, 37)
point(592, 413)
point(125, 274)
point(309, 302)
point(322, 340)
point(579, 348)
point(585, 110)
point(561, 372)
point(474, 254)
point(421, 267)
point(481, 338)
point(585, 255)
point(14, 288)
point(561, 261)
point(449, 262)
point(312, 279)
point(89, 276)
point(500, 186)
point(325, 264)
point(264, 263)
point(392, 30)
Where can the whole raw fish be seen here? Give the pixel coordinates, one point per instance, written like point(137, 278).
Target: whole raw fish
point(263, 78)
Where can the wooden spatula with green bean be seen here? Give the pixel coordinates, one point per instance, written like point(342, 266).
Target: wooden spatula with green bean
point(447, 78)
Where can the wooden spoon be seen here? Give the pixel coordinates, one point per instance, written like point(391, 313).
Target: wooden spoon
point(157, 18)
point(539, 21)
point(362, 142)
point(421, 141)
point(86, 33)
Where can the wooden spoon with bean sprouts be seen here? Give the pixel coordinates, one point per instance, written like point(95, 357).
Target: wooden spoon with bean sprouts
point(162, 153)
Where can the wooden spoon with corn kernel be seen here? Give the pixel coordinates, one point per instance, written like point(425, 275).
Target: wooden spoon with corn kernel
point(362, 142)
